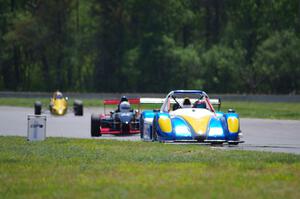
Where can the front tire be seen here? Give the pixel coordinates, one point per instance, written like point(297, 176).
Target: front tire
point(216, 144)
point(142, 128)
point(95, 125)
point(78, 108)
point(154, 136)
point(37, 108)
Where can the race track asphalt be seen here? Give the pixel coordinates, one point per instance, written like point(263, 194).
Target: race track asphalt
point(258, 134)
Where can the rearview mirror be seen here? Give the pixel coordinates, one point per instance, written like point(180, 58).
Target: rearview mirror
point(231, 110)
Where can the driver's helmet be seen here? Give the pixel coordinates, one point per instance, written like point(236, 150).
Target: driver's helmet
point(186, 103)
point(123, 99)
point(200, 104)
point(58, 95)
point(124, 106)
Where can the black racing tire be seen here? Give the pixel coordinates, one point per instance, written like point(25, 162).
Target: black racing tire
point(38, 108)
point(78, 108)
point(50, 107)
point(154, 131)
point(141, 128)
point(95, 125)
point(200, 140)
point(233, 143)
point(216, 144)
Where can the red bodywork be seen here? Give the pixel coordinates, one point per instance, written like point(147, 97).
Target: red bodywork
point(116, 102)
point(109, 131)
point(105, 116)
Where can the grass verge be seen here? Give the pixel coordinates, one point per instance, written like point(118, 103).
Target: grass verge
point(78, 168)
point(274, 110)
point(245, 109)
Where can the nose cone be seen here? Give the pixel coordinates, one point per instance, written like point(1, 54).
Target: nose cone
point(60, 107)
point(125, 118)
point(60, 111)
point(198, 119)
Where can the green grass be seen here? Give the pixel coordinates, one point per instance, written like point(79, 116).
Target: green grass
point(245, 109)
point(82, 168)
point(273, 110)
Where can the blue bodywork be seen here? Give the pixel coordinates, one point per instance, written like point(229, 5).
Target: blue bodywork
point(216, 128)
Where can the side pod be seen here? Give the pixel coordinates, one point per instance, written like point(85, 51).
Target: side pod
point(146, 120)
point(233, 126)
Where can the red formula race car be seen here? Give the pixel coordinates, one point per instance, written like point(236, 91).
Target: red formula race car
point(123, 121)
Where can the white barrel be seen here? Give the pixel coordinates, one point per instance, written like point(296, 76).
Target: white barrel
point(36, 129)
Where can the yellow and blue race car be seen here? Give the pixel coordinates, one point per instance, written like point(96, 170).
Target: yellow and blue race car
point(59, 105)
point(189, 115)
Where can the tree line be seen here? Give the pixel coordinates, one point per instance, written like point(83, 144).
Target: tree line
point(221, 46)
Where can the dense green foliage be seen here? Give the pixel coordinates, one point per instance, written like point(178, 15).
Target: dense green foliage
point(82, 168)
point(225, 46)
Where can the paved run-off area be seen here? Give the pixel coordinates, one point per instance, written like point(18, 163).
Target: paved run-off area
point(258, 134)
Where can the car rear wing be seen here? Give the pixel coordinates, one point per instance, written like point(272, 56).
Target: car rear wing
point(216, 101)
point(152, 100)
point(117, 101)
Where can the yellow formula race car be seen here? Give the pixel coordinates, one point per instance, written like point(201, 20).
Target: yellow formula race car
point(59, 105)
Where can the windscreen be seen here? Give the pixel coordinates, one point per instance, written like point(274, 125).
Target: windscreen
point(186, 100)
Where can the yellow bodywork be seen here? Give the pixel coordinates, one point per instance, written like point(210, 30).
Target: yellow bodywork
point(59, 106)
point(199, 124)
point(165, 124)
point(198, 119)
point(233, 124)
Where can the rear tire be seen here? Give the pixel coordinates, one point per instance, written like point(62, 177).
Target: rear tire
point(78, 108)
point(37, 108)
point(154, 133)
point(200, 140)
point(142, 128)
point(216, 144)
point(95, 125)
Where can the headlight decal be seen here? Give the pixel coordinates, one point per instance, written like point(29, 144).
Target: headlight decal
point(181, 128)
point(216, 128)
point(165, 124)
point(215, 131)
point(233, 124)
